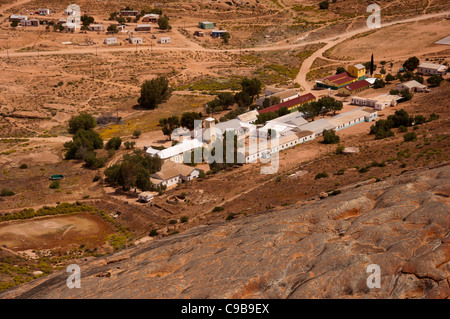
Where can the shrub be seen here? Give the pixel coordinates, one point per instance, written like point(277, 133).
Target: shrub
point(363, 170)
point(340, 149)
point(330, 137)
point(7, 192)
point(96, 178)
point(54, 185)
point(153, 232)
point(410, 137)
point(335, 192)
point(184, 219)
point(202, 174)
point(324, 5)
point(433, 116)
point(114, 143)
point(136, 133)
point(173, 221)
point(402, 128)
point(218, 209)
point(419, 119)
point(23, 166)
point(230, 216)
point(321, 175)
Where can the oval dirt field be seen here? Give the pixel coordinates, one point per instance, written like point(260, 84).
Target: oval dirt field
point(52, 232)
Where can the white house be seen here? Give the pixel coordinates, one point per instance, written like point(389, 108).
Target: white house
point(173, 173)
point(411, 86)
point(248, 117)
point(97, 27)
point(146, 196)
point(378, 103)
point(44, 12)
point(134, 40)
point(427, 68)
point(163, 40)
point(17, 17)
point(110, 41)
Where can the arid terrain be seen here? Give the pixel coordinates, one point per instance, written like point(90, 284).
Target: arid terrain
point(299, 246)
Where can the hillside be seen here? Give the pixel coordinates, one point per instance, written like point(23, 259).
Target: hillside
point(319, 249)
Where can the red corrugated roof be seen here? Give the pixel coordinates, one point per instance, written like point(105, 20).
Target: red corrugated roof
point(340, 78)
point(291, 103)
point(357, 85)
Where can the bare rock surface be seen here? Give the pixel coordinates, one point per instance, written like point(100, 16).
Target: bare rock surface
point(319, 249)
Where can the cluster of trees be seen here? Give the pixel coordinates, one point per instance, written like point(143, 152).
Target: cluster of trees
point(86, 21)
point(402, 120)
point(134, 171)
point(223, 101)
point(154, 92)
point(85, 141)
point(244, 98)
point(171, 123)
point(322, 106)
point(271, 100)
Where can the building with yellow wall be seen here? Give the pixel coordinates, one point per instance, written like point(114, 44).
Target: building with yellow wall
point(358, 71)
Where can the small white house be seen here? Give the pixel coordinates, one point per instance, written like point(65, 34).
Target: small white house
point(411, 86)
point(427, 68)
point(135, 40)
point(44, 12)
point(164, 40)
point(146, 197)
point(97, 27)
point(109, 41)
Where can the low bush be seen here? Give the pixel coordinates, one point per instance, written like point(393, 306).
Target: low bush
point(321, 175)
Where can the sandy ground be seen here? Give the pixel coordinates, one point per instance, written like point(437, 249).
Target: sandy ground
point(50, 232)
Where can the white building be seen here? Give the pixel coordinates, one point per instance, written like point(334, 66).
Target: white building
point(411, 86)
point(353, 117)
point(378, 103)
point(176, 153)
point(110, 41)
point(164, 40)
point(146, 196)
point(427, 68)
point(248, 117)
point(173, 173)
point(44, 12)
point(17, 17)
point(97, 27)
point(134, 40)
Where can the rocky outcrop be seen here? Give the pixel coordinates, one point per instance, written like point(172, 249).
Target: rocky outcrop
point(319, 249)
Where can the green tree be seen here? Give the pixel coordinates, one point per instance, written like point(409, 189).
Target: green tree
point(435, 80)
point(114, 143)
point(154, 92)
point(188, 118)
point(225, 37)
point(243, 99)
point(87, 20)
point(330, 137)
point(226, 99)
point(112, 28)
point(163, 23)
point(169, 124)
point(379, 83)
point(14, 23)
point(411, 64)
point(83, 121)
point(390, 78)
point(137, 133)
point(340, 69)
point(251, 86)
